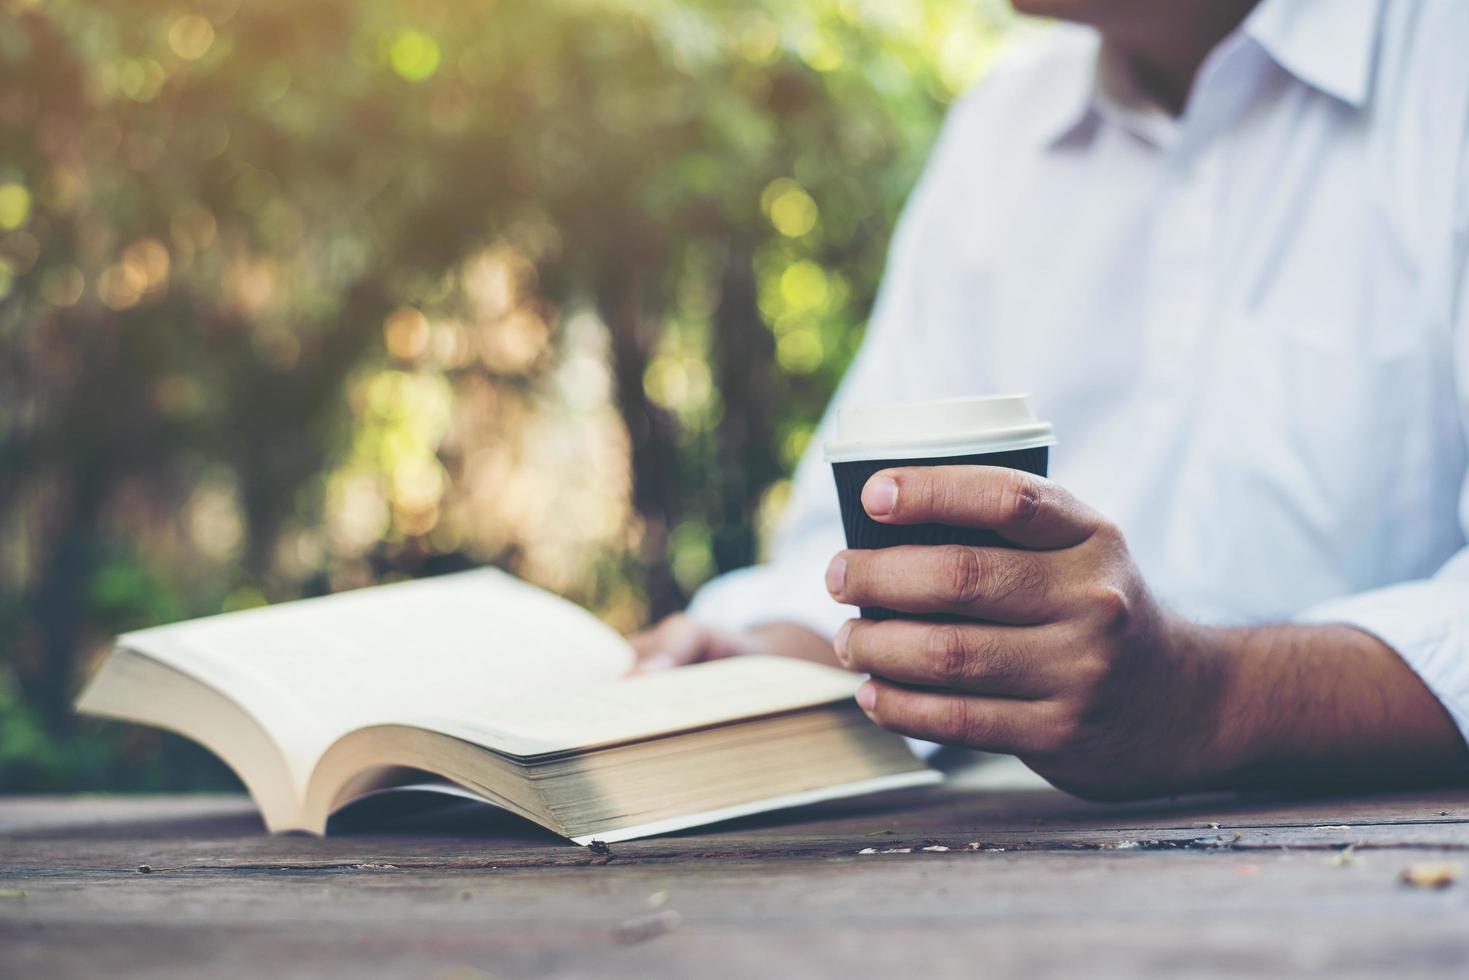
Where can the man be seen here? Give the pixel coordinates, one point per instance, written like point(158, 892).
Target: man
point(1225, 246)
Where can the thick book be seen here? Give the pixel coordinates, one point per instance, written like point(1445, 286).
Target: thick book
point(488, 686)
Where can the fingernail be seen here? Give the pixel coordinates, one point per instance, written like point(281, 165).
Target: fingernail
point(866, 696)
point(880, 496)
point(839, 643)
point(661, 662)
point(836, 576)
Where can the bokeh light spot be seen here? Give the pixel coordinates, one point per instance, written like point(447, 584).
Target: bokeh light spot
point(141, 79)
point(823, 53)
point(759, 41)
point(792, 211)
point(803, 286)
point(406, 333)
point(680, 383)
point(273, 82)
point(214, 519)
point(414, 55)
point(191, 36)
point(62, 286)
point(691, 554)
point(800, 351)
point(15, 205)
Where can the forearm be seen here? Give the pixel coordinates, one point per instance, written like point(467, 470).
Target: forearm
point(792, 640)
point(1324, 706)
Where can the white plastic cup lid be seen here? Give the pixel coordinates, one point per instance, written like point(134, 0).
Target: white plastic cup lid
point(945, 427)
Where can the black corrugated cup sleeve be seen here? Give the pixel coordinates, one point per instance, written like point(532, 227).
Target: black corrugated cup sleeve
point(864, 532)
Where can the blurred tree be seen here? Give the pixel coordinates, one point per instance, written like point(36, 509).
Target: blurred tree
point(296, 297)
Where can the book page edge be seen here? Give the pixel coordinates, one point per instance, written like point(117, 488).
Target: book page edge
point(902, 780)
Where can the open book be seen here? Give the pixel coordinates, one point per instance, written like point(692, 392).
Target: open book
point(504, 691)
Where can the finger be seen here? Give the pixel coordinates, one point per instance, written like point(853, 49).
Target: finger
point(961, 658)
point(991, 724)
point(655, 639)
point(1000, 584)
point(676, 641)
point(644, 643)
point(1027, 510)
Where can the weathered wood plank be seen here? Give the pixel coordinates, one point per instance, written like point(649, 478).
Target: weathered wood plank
point(212, 853)
point(1050, 891)
point(1119, 913)
point(226, 833)
point(144, 813)
point(1000, 809)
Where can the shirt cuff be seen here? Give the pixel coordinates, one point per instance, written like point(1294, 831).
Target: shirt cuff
point(1426, 623)
point(773, 593)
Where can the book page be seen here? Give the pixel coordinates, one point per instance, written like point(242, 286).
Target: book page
point(645, 705)
point(311, 671)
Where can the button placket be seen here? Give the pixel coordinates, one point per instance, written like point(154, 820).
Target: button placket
point(1179, 309)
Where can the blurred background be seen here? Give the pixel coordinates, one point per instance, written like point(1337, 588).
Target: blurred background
point(301, 296)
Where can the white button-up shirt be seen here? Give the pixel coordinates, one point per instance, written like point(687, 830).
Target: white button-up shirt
point(1249, 324)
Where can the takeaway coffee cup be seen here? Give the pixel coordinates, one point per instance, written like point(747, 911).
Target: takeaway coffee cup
point(999, 430)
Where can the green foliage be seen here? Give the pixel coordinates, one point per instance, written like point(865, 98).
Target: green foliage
point(296, 297)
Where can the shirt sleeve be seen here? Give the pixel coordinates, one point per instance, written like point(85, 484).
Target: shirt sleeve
point(890, 366)
point(1427, 621)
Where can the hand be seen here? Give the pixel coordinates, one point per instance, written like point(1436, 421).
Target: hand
point(1066, 660)
point(679, 640)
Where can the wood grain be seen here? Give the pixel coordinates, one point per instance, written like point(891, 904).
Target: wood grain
point(1032, 883)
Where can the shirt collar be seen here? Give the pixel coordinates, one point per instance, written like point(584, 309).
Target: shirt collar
point(1330, 45)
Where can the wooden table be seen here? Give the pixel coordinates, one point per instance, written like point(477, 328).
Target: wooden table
point(935, 882)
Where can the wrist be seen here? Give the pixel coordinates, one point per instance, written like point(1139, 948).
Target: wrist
point(1311, 702)
point(1219, 709)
